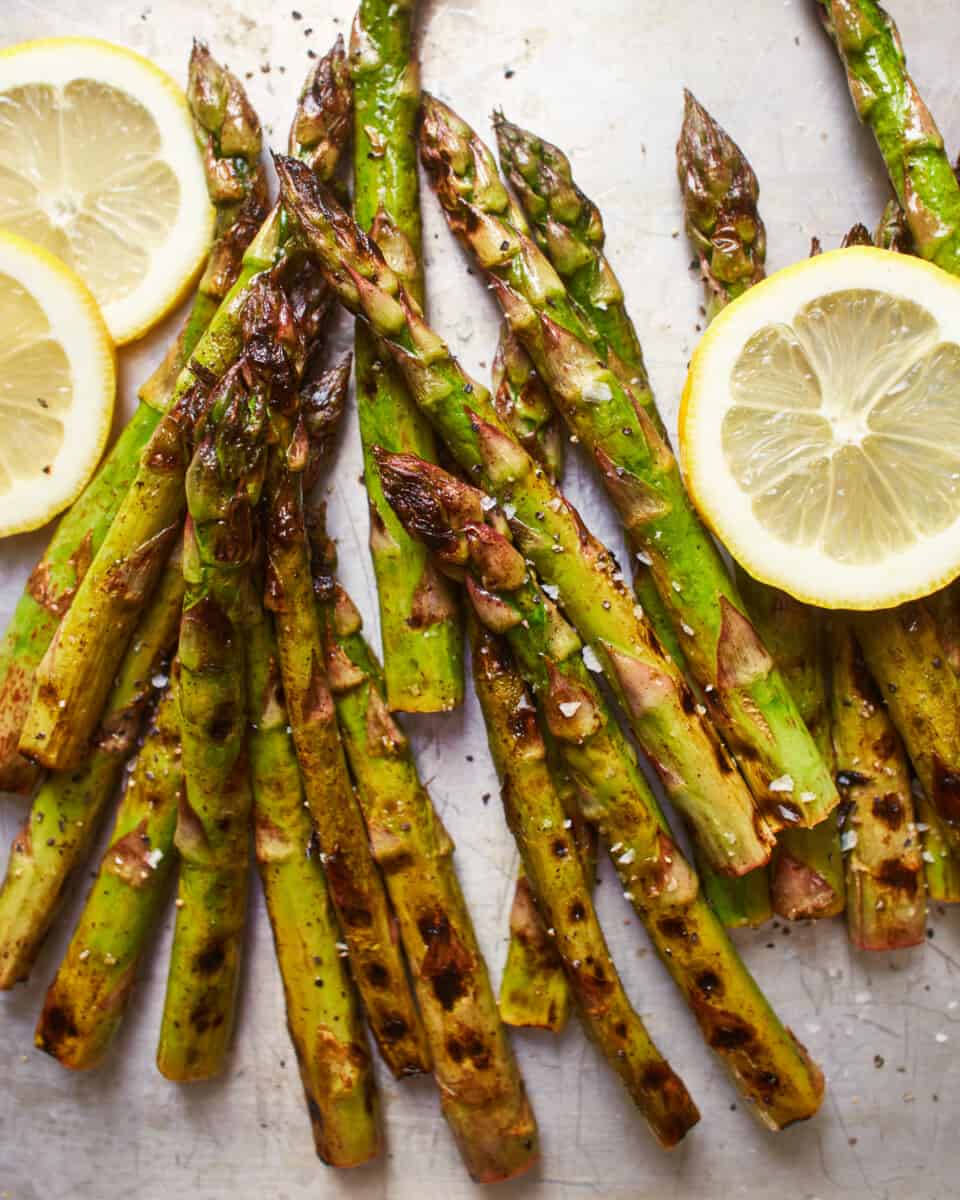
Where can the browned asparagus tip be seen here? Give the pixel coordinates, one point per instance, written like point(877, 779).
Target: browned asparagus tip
point(432, 504)
point(858, 235)
point(322, 121)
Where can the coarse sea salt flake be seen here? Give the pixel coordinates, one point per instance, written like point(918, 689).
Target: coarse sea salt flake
point(597, 392)
point(590, 660)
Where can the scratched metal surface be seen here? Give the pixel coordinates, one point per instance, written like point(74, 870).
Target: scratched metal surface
point(604, 80)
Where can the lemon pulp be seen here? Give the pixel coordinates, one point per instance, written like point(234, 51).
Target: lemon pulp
point(36, 387)
point(64, 186)
point(844, 426)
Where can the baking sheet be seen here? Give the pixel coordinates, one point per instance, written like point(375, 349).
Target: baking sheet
point(603, 80)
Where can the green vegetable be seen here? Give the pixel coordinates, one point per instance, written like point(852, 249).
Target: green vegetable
point(469, 538)
point(746, 694)
point(229, 135)
point(698, 776)
point(420, 627)
point(91, 991)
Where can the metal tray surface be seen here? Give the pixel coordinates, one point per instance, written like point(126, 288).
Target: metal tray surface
point(603, 80)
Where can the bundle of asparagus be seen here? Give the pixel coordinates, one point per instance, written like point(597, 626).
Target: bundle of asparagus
point(73, 801)
point(237, 673)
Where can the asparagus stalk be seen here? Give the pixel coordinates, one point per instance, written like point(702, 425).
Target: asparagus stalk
point(229, 134)
point(534, 993)
point(886, 908)
point(536, 818)
point(66, 810)
point(356, 886)
point(767, 1064)
point(887, 101)
point(420, 628)
point(533, 988)
point(75, 674)
point(807, 877)
point(223, 486)
point(486, 1106)
point(906, 658)
point(696, 772)
point(323, 1009)
point(723, 223)
point(746, 694)
point(568, 228)
point(89, 995)
point(523, 404)
point(481, 1091)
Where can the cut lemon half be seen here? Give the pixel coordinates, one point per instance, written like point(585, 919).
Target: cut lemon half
point(820, 429)
point(98, 164)
point(57, 385)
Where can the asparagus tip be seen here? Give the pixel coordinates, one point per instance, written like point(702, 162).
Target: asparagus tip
point(324, 110)
point(857, 235)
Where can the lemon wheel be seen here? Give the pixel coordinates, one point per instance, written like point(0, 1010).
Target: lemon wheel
point(57, 384)
point(820, 429)
point(98, 164)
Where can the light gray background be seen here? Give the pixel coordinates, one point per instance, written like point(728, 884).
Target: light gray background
point(604, 80)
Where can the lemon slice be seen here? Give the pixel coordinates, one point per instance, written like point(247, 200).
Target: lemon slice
point(820, 429)
point(98, 164)
point(57, 385)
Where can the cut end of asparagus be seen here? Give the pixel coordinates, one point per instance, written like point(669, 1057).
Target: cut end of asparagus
point(502, 1145)
point(799, 893)
point(534, 993)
